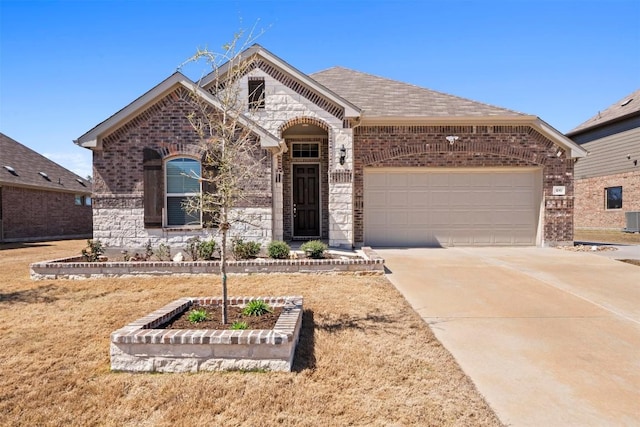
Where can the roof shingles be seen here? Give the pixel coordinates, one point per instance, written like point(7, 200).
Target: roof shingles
point(630, 104)
point(381, 97)
point(28, 164)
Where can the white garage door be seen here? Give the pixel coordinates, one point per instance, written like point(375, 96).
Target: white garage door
point(451, 207)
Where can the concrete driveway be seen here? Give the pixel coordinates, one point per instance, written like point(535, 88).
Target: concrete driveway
point(549, 337)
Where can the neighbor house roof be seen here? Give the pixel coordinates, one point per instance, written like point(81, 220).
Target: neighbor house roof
point(20, 166)
point(382, 97)
point(625, 107)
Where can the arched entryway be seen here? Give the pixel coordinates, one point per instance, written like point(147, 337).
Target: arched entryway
point(305, 184)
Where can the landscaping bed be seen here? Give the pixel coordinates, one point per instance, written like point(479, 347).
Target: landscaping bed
point(148, 345)
point(364, 357)
point(362, 261)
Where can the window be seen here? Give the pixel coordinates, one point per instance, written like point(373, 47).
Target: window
point(81, 200)
point(181, 184)
point(256, 93)
point(305, 151)
point(614, 197)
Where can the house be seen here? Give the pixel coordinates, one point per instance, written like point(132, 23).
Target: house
point(607, 181)
point(351, 158)
point(39, 199)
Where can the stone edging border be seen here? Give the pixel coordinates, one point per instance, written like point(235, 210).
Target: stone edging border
point(367, 261)
point(142, 331)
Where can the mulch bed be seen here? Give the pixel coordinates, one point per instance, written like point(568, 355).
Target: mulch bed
point(214, 318)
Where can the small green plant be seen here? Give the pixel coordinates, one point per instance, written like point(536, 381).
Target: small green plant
point(245, 250)
point(192, 247)
point(206, 249)
point(197, 315)
point(256, 308)
point(93, 251)
point(314, 248)
point(239, 326)
point(163, 253)
point(278, 249)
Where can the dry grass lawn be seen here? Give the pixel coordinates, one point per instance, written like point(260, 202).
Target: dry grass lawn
point(606, 236)
point(364, 357)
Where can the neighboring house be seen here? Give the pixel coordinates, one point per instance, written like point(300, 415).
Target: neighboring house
point(351, 158)
point(39, 199)
point(608, 180)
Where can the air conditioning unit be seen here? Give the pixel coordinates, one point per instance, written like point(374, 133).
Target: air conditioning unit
point(633, 222)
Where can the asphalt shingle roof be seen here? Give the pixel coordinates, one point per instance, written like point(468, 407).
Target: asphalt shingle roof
point(382, 97)
point(628, 105)
point(28, 164)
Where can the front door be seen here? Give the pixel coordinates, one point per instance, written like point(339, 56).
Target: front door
point(306, 200)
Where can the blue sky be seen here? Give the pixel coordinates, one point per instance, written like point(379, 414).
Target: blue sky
point(65, 66)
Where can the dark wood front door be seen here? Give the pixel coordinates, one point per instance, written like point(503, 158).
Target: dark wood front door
point(306, 200)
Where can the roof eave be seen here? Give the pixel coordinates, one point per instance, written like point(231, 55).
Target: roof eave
point(577, 131)
point(93, 139)
point(574, 150)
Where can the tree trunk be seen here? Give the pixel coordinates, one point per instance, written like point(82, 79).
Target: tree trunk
point(223, 269)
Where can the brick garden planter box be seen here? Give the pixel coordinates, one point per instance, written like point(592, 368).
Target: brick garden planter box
point(364, 261)
point(141, 346)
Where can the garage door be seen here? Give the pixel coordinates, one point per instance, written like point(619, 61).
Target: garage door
point(451, 207)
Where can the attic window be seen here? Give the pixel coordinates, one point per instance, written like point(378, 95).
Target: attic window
point(11, 170)
point(626, 102)
point(44, 175)
point(256, 93)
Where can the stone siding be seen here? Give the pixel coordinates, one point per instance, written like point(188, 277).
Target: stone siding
point(29, 214)
point(590, 206)
point(477, 146)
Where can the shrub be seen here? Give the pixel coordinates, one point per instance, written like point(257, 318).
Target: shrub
point(191, 248)
point(93, 251)
point(314, 248)
point(245, 250)
point(256, 308)
point(206, 249)
point(237, 326)
point(278, 250)
point(197, 315)
point(163, 253)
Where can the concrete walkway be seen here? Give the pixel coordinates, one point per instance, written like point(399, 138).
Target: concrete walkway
point(549, 337)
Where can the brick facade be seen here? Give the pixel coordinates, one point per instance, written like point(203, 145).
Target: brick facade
point(119, 174)
point(590, 206)
point(477, 146)
point(29, 214)
point(293, 106)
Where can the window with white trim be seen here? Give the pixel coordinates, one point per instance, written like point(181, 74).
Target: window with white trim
point(181, 183)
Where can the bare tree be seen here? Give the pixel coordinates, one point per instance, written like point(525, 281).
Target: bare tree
point(232, 154)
